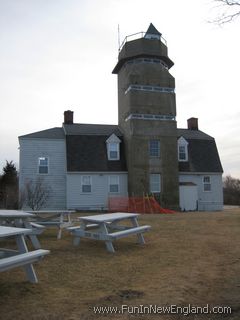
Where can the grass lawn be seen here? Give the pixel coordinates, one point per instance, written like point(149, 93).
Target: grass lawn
point(188, 258)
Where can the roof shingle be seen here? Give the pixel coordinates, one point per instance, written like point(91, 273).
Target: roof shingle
point(89, 153)
point(202, 157)
point(91, 129)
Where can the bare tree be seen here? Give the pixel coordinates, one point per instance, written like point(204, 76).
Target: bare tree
point(229, 10)
point(231, 190)
point(36, 194)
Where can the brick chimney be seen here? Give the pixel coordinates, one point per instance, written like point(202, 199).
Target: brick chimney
point(192, 124)
point(68, 117)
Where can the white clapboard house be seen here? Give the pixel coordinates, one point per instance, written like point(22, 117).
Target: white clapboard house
point(85, 164)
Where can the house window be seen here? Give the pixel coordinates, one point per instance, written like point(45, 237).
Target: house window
point(155, 183)
point(113, 151)
point(207, 183)
point(113, 184)
point(43, 163)
point(154, 148)
point(86, 184)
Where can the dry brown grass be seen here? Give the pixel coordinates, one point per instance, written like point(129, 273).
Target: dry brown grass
point(190, 258)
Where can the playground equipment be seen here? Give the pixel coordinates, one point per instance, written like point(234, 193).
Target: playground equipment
point(145, 204)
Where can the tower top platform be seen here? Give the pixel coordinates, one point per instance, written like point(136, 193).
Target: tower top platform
point(143, 44)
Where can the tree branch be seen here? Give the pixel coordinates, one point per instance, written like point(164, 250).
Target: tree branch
point(232, 11)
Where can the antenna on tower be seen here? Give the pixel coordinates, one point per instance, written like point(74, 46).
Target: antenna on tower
point(118, 37)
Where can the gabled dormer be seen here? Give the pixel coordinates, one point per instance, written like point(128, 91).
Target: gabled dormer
point(113, 148)
point(182, 150)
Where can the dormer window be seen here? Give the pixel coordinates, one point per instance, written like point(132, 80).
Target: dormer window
point(113, 148)
point(182, 149)
point(113, 152)
point(182, 153)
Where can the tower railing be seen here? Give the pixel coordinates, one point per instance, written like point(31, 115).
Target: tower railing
point(136, 36)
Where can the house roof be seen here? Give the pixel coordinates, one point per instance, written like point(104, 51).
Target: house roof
point(91, 129)
point(53, 133)
point(202, 152)
point(86, 148)
point(89, 153)
point(74, 129)
point(193, 134)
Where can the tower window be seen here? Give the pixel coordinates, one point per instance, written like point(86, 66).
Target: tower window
point(152, 36)
point(156, 117)
point(154, 148)
point(147, 60)
point(149, 88)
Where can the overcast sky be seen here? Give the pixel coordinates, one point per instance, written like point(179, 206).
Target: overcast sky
point(57, 55)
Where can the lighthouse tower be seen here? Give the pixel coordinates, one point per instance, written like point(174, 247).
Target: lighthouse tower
point(146, 115)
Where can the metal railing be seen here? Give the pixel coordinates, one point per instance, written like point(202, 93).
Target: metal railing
point(138, 35)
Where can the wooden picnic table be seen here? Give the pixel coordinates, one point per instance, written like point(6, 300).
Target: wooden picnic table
point(53, 218)
point(21, 219)
point(22, 257)
point(107, 228)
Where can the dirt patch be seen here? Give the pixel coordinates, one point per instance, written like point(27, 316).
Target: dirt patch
point(123, 295)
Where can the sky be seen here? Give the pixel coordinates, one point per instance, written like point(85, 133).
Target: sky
point(58, 55)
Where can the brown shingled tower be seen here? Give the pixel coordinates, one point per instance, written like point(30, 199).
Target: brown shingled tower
point(147, 110)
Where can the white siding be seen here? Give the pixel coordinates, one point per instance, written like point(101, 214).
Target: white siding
point(55, 150)
point(98, 198)
point(210, 200)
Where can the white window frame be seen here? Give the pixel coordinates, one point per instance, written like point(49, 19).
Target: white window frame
point(151, 117)
point(147, 60)
point(154, 152)
point(113, 147)
point(182, 152)
point(182, 143)
point(149, 88)
point(207, 185)
point(110, 183)
point(45, 166)
point(155, 186)
point(83, 184)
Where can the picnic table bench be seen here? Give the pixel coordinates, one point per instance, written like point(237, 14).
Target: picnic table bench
point(10, 259)
point(21, 259)
point(53, 218)
point(106, 227)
